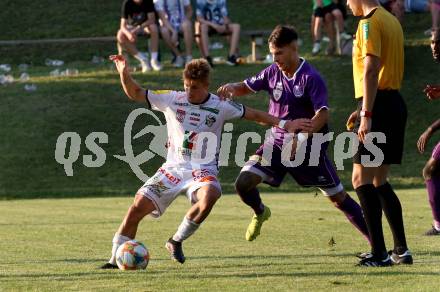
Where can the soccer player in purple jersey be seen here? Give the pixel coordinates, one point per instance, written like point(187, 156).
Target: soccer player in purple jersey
point(431, 171)
point(296, 91)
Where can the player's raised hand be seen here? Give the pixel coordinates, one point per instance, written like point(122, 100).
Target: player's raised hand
point(299, 125)
point(432, 91)
point(120, 62)
point(423, 140)
point(226, 92)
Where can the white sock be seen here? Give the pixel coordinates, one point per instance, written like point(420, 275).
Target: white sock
point(437, 226)
point(141, 57)
point(117, 241)
point(185, 230)
point(154, 55)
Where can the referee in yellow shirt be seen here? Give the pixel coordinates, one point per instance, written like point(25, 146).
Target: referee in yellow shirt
point(377, 72)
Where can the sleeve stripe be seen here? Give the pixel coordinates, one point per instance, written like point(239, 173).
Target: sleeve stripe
point(248, 86)
point(146, 99)
point(244, 111)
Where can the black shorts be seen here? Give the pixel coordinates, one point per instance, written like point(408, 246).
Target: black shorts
point(389, 117)
point(322, 11)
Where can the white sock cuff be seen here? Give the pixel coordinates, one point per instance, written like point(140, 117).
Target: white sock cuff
point(120, 239)
point(190, 222)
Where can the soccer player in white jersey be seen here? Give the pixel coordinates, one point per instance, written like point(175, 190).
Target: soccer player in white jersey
point(189, 114)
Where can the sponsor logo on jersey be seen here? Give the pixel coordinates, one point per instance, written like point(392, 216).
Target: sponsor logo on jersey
point(278, 91)
point(170, 177)
point(210, 120)
point(194, 119)
point(181, 103)
point(195, 114)
point(180, 115)
point(201, 174)
point(189, 139)
point(157, 188)
point(298, 90)
point(255, 78)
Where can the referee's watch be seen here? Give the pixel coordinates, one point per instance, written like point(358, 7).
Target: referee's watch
point(366, 114)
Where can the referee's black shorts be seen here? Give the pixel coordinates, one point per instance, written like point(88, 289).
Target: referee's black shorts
point(389, 117)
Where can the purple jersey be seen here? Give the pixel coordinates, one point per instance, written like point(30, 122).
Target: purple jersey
point(291, 98)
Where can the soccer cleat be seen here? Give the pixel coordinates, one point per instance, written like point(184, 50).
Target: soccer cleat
point(316, 48)
point(108, 266)
point(401, 259)
point(145, 66)
point(371, 261)
point(179, 62)
point(155, 64)
point(232, 60)
point(254, 227)
point(175, 250)
point(432, 231)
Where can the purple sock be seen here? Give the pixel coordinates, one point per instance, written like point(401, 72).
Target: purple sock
point(353, 212)
point(433, 186)
point(252, 199)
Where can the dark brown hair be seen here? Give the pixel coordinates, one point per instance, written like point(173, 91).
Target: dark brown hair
point(197, 69)
point(283, 35)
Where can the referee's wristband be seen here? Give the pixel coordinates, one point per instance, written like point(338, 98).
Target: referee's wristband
point(366, 114)
point(281, 124)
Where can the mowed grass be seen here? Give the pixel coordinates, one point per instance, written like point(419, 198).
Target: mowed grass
point(57, 245)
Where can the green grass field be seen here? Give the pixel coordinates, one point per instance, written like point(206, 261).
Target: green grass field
point(57, 245)
point(59, 230)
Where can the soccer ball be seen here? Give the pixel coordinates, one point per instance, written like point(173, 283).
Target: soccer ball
point(132, 255)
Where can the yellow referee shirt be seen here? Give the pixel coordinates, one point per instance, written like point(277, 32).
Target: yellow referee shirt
point(379, 34)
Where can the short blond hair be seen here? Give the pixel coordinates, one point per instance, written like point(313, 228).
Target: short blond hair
point(197, 69)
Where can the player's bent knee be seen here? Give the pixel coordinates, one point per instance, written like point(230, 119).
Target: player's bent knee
point(430, 170)
point(245, 182)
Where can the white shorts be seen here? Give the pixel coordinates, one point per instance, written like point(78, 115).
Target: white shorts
point(168, 182)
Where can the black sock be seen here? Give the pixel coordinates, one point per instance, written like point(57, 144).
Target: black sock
point(393, 211)
point(369, 199)
point(252, 199)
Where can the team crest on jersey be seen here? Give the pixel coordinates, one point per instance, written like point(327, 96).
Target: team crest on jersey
point(298, 90)
point(278, 91)
point(366, 30)
point(180, 115)
point(210, 120)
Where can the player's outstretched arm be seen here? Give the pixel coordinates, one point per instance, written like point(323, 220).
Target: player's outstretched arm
point(230, 90)
point(131, 88)
point(424, 138)
point(263, 118)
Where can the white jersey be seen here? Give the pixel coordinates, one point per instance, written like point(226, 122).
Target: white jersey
point(194, 131)
point(173, 9)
